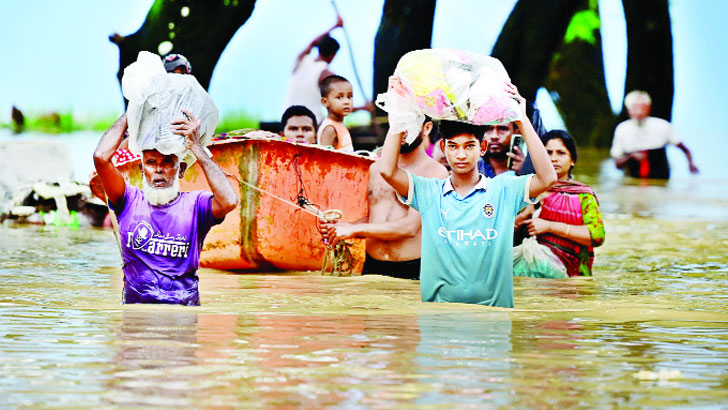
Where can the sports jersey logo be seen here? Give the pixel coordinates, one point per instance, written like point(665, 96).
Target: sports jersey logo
point(142, 235)
point(468, 238)
point(488, 210)
point(444, 212)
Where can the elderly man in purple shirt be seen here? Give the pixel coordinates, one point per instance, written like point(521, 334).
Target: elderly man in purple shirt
point(162, 229)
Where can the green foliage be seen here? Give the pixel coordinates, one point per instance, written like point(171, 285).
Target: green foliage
point(235, 121)
point(156, 10)
point(100, 123)
point(582, 27)
point(358, 119)
point(50, 123)
point(59, 123)
point(55, 123)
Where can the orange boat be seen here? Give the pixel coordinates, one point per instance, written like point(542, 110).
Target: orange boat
point(268, 230)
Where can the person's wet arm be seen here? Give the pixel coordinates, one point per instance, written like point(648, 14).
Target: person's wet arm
point(689, 156)
point(577, 233)
point(111, 179)
point(622, 160)
point(524, 215)
point(592, 218)
point(402, 228)
point(545, 175)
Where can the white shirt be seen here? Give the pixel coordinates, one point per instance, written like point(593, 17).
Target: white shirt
point(303, 88)
point(652, 133)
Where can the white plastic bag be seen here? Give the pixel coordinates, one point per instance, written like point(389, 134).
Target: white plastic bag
point(448, 84)
point(535, 260)
point(404, 115)
point(156, 98)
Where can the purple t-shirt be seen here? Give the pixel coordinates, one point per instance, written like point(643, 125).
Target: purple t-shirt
point(161, 246)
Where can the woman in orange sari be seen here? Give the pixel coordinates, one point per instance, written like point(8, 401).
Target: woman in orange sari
point(569, 223)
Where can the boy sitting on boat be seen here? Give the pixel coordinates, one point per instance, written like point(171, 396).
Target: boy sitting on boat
point(162, 230)
point(467, 219)
point(337, 96)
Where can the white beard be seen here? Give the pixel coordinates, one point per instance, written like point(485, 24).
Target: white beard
point(160, 196)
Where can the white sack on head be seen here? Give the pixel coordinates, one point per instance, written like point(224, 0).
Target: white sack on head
point(156, 98)
point(448, 84)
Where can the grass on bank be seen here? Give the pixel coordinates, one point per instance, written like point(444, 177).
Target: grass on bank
point(61, 123)
point(66, 122)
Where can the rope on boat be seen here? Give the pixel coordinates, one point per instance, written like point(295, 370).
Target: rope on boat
point(308, 207)
point(339, 256)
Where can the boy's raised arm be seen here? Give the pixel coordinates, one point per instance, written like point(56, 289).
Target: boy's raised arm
point(545, 175)
point(391, 172)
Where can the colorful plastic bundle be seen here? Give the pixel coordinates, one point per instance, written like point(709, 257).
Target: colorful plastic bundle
point(156, 98)
point(448, 84)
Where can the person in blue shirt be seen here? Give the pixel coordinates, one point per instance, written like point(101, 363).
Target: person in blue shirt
point(468, 218)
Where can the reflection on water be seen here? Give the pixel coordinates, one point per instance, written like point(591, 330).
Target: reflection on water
point(151, 346)
point(650, 329)
point(452, 342)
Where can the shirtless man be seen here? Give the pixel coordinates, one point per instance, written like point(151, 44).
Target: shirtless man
point(392, 229)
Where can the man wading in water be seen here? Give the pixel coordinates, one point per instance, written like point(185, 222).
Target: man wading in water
point(393, 229)
point(161, 229)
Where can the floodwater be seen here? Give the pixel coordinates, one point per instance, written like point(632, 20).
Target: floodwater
point(650, 329)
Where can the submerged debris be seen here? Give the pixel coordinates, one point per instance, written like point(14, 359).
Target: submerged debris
point(59, 204)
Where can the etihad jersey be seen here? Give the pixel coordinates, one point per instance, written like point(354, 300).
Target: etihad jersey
point(467, 242)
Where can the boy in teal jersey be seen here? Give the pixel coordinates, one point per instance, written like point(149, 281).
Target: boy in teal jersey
point(467, 219)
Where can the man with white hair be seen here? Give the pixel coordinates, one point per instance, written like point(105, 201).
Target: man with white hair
point(639, 143)
point(162, 229)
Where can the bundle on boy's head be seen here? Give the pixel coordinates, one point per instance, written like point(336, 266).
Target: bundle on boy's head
point(325, 86)
point(451, 129)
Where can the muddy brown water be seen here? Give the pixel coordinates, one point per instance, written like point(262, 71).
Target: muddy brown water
point(650, 329)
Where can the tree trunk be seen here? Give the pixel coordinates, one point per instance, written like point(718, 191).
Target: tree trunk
point(198, 29)
point(406, 25)
point(649, 53)
point(532, 34)
point(577, 75)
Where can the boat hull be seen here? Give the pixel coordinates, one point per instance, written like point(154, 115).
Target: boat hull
point(267, 231)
